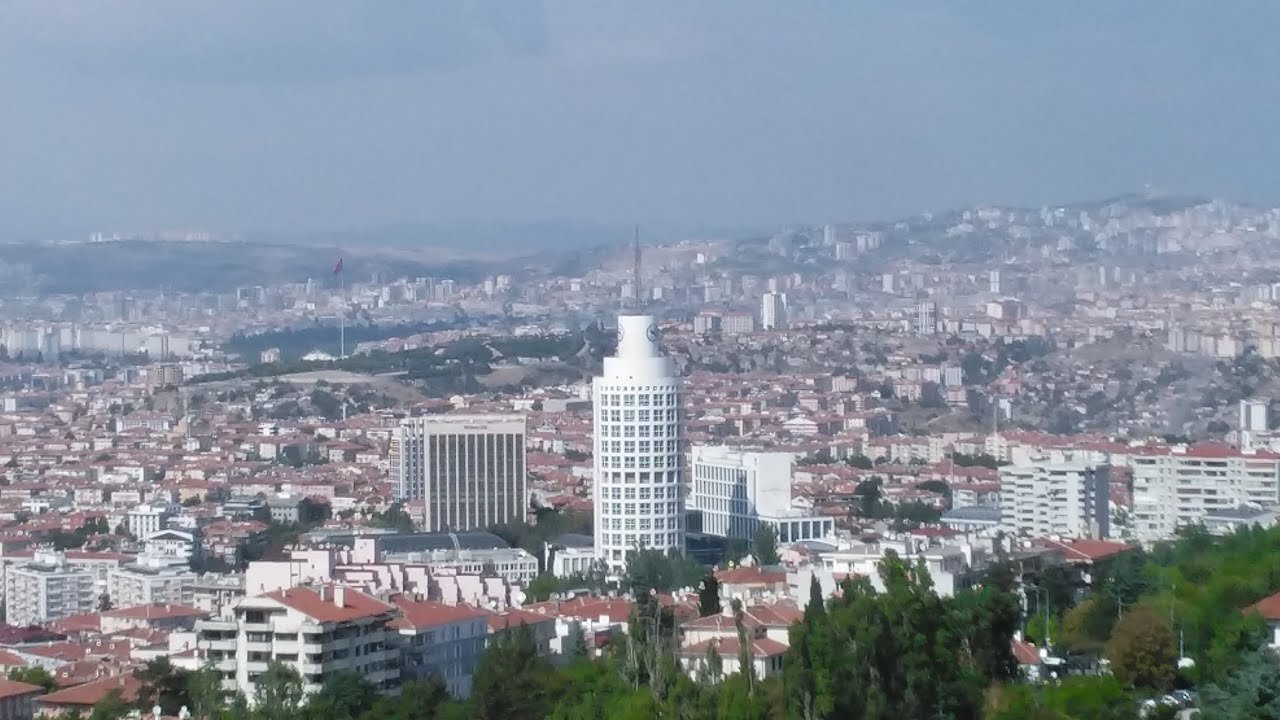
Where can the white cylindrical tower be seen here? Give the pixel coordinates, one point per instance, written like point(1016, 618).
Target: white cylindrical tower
point(639, 470)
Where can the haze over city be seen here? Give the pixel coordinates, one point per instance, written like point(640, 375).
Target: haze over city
point(715, 360)
point(305, 115)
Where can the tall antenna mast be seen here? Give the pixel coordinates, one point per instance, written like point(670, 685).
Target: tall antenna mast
point(635, 272)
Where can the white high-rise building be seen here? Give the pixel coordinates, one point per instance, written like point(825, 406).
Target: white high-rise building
point(1253, 422)
point(926, 317)
point(773, 311)
point(469, 470)
point(1179, 486)
point(47, 589)
point(639, 484)
point(737, 491)
point(1040, 498)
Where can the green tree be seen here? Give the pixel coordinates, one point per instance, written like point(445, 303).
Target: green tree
point(162, 684)
point(1251, 692)
point(111, 707)
point(34, 675)
point(277, 693)
point(343, 696)
point(1142, 650)
point(764, 545)
point(512, 680)
point(204, 688)
point(418, 700)
point(709, 596)
point(575, 643)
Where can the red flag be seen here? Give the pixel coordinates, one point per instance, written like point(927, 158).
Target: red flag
point(337, 268)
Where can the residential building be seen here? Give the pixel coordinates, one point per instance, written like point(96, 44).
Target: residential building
point(737, 491)
point(444, 641)
point(638, 465)
point(318, 631)
point(150, 581)
point(1180, 485)
point(926, 317)
point(469, 470)
point(773, 311)
point(17, 699)
point(46, 589)
point(175, 546)
point(1042, 498)
point(145, 520)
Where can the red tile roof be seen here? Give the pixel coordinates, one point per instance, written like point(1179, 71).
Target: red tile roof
point(155, 612)
point(309, 602)
point(1026, 653)
point(1268, 607)
point(729, 647)
point(750, 576)
point(91, 693)
point(13, 688)
point(9, 659)
point(416, 614)
point(1090, 550)
point(515, 618)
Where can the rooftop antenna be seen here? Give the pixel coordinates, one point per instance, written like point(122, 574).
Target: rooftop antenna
point(635, 271)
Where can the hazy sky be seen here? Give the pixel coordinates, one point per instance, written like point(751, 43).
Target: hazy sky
point(308, 114)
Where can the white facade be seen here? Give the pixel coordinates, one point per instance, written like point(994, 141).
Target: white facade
point(773, 311)
point(927, 317)
point(1253, 422)
point(145, 520)
point(639, 484)
point(468, 469)
point(738, 490)
point(151, 581)
point(1179, 486)
point(316, 631)
point(47, 589)
point(1042, 498)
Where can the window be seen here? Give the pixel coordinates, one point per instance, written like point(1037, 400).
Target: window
point(643, 400)
point(628, 400)
point(644, 416)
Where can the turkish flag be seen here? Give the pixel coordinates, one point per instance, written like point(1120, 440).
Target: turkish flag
point(337, 268)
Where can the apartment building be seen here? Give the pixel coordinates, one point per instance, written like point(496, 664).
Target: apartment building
point(46, 589)
point(151, 581)
point(440, 640)
point(738, 490)
point(318, 631)
point(1042, 498)
point(1181, 485)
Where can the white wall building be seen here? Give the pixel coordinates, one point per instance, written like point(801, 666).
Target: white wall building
point(144, 520)
point(1253, 422)
point(638, 466)
point(151, 581)
point(1042, 498)
point(316, 631)
point(738, 490)
point(773, 311)
point(47, 589)
point(1178, 486)
point(468, 469)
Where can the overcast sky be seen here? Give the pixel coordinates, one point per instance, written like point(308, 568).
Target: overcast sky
point(317, 114)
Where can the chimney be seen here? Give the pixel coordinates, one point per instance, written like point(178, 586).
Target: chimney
point(339, 596)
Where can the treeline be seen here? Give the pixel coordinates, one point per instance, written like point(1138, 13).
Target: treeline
point(455, 365)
